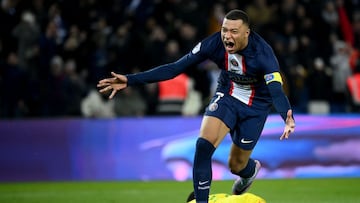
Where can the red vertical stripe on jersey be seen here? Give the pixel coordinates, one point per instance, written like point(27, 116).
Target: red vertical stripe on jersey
point(227, 68)
point(251, 99)
point(243, 64)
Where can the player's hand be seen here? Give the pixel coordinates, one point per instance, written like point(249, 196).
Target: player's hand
point(289, 125)
point(115, 83)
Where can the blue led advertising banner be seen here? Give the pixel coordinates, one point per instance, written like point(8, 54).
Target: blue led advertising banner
point(162, 148)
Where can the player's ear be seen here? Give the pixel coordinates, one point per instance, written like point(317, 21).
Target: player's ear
point(191, 197)
point(248, 32)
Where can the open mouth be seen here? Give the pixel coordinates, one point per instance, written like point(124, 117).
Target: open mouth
point(229, 45)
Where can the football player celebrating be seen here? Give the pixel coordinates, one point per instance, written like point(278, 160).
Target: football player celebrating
point(248, 86)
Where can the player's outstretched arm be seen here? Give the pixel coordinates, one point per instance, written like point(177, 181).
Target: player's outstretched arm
point(115, 83)
point(289, 125)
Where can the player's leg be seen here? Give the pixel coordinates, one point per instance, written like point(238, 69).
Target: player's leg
point(239, 160)
point(245, 136)
point(215, 125)
point(212, 132)
point(242, 165)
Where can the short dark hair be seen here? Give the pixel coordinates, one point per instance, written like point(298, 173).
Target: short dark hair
point(238, 15)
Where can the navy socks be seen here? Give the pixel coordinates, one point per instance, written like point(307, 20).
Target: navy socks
point(202, 171)
point(249, 170)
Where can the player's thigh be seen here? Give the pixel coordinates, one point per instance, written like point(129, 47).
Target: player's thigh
point(219, 118)
point(213, 129)
point(247, 132)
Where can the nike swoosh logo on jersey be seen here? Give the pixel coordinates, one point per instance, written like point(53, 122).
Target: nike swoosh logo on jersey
point(202, 183)
point(246, 141)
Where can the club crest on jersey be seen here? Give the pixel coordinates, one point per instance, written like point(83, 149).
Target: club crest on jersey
point(234, 62)
point(196, 49)
point(213, 106)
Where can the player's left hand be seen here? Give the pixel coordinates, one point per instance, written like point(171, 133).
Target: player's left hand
point(289, 125)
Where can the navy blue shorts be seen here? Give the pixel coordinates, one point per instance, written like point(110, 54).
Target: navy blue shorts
point(245, 123)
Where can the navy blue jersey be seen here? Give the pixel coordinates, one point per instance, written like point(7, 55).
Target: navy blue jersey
point(242, 74)
point(247, 75)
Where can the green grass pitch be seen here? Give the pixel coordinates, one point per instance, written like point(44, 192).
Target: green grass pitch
point(272, 190)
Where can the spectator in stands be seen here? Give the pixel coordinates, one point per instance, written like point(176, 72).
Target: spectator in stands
point(74, 88)
point(172, 95)
point(130, 103)
point(94, 105)
point(261, 13)
point(27, 33)
point(353, 82)
point(341, 70)
point(13, 88)
point(319, 83)
point(55, 103)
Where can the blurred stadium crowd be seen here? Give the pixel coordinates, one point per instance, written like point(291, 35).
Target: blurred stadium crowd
point(53, 52)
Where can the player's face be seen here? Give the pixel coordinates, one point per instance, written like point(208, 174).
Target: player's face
point(234, 34)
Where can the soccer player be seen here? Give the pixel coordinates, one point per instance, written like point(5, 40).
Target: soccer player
point(226, 198)
point(248, 86)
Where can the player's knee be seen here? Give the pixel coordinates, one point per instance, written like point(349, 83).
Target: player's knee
point(236, 164)
point(204, 148)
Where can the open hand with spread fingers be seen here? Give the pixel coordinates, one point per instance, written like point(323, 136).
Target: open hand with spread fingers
point(289, 125)
point(115, 83)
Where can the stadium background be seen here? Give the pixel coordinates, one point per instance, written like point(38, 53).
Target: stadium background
point(54, 52)
point(55, 126)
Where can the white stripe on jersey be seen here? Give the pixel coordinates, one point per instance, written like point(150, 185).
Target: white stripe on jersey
point(243, 93)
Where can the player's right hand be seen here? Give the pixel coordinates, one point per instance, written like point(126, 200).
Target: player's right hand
point(115, 83)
